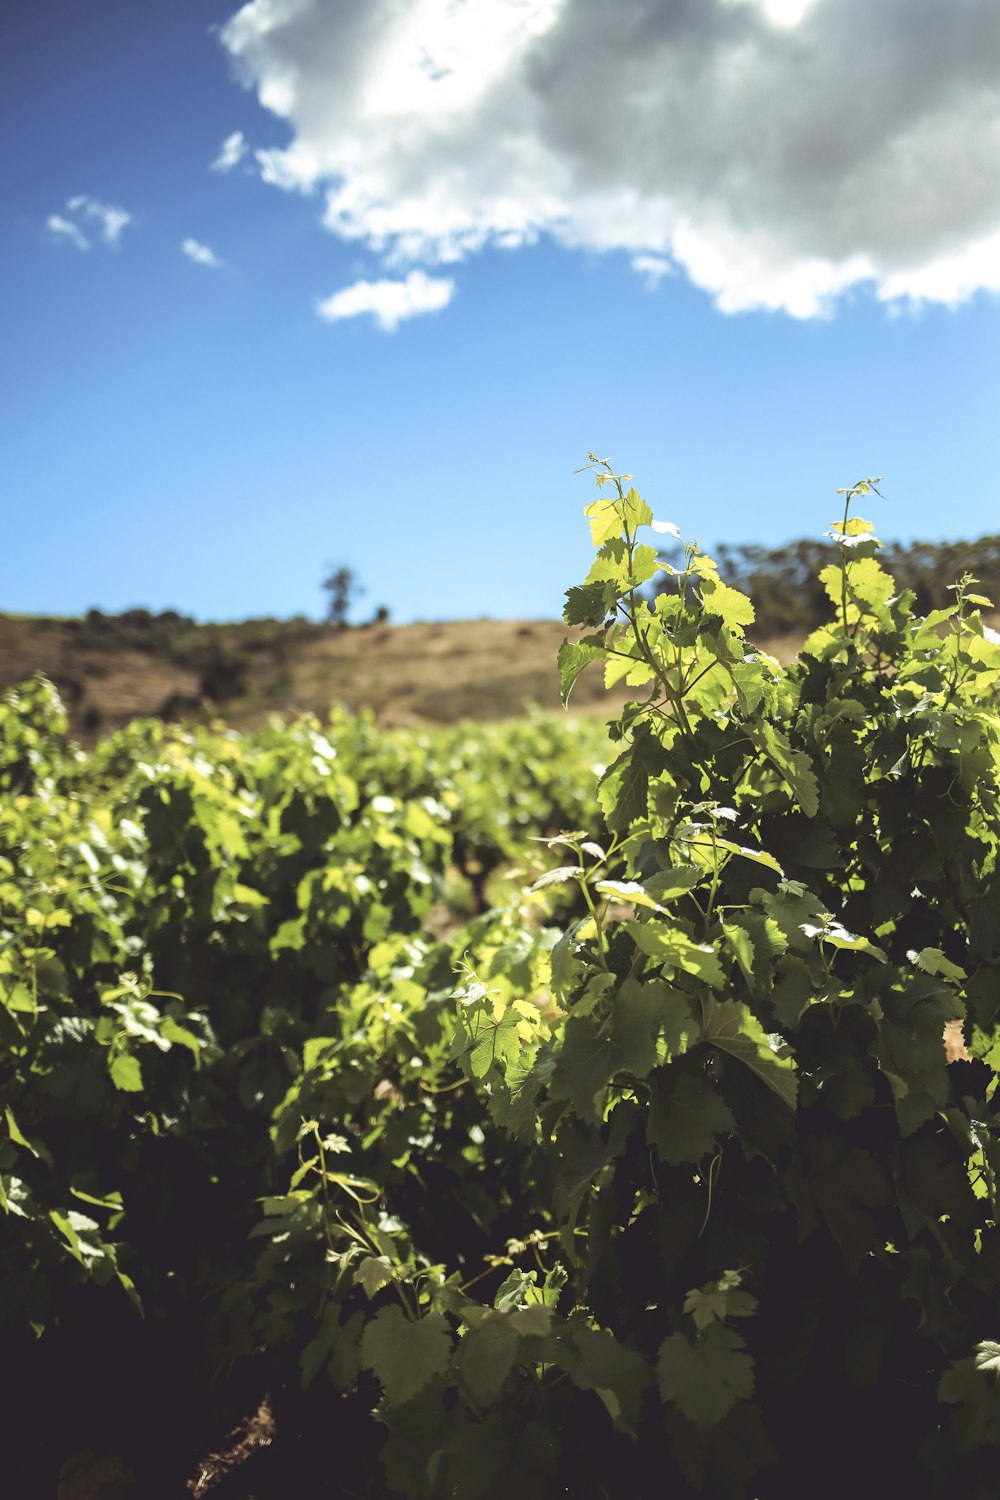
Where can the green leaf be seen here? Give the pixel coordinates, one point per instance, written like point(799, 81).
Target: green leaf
point(757, 941)
point(624, 791)
point(911, 1049)
point(513, 1293)
point(69, 1234)
point(637, 512)
point(641, 1010)
point(718, 1300)
point(344, 1362)
point(686, 1116)
point(849, 1186)
point(373, 1273)
point(110, 1200)
point(933, 961)
point(405, 1355)
point(869, 583)
point(126, 1073)
point(9, 1204)
point(494, 1042)
point(734, 1029)
point(584, 1067)
point(605, 517)
point(666, 885)
point(173, 1032)
point(837, 936)
point(735, 608)
point(596, 1361)
point(128, 1286)
point(283, 1205)
point(740, 942)
point(491, 1459)
point(557, 877)
point(628, 663)
point(677, 951)
point(794, 765)
point(704, 1380)
point(486, 1355)
point(585, 605)
point(755, 856)
point(591, 1055)
point(644, 565)
point(419, 1433)
point(853, 526)
point(574, 656)
point(610, 568)
point(335, 1345)
point(316, 1353)
point(19, 1138)
point(597, 988)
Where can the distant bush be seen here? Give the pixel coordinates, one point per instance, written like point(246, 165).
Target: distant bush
point(224, 675)
point(132, 630)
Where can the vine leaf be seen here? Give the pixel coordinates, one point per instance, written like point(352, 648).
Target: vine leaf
point(624, 792)
point(487, 1460)
point(420, 1430)
point(487, 1354)
point(732, 1028)
point(911, 1031)
point(718, 1300)
point(685, 1117)
point(705, 1380)
point(585, 606)
point(373, 1273)
point(585, 1065)
point(558, 876)
point(850, 1188)
point(642, 1011)
point(794, 765)
point(733, 608)
point(405, 1355)
point(483, 1040)
point(971, 1385)
point(335, 1346)
point(605, 517)
point(126, 1073)
point(677, 951)
point(595, 1361)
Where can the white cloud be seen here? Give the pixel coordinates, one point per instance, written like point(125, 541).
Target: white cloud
point(111, 220)
point(389, 302)
point(779, 152)
point(232, 151)
point(201, 254)
point(653, 267)
point(64, 229)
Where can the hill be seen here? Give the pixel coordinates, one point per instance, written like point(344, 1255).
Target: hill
point(113, 668)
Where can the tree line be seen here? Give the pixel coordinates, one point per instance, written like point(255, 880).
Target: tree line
point(787, 595)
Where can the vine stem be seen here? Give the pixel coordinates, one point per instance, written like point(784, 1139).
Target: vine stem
point(674, 698)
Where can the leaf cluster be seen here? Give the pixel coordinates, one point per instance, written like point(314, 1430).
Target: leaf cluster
point(612, 1122)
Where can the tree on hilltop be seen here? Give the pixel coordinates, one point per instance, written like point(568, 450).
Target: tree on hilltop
point(343, 588)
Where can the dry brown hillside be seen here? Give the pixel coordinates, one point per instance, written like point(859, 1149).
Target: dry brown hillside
point(114, 668)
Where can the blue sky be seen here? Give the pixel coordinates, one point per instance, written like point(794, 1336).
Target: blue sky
point(454, 248)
